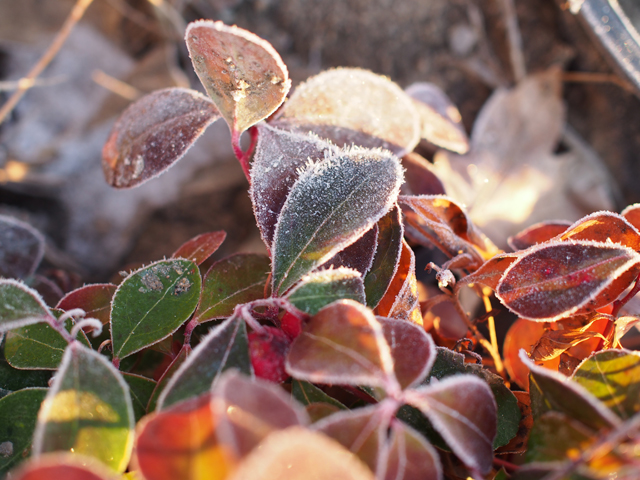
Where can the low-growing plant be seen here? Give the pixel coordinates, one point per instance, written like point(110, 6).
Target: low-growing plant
point(318, 361)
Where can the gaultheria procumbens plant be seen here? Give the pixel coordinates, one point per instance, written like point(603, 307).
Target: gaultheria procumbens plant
point(318, 361)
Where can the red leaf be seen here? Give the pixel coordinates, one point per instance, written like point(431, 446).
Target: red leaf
point(419, 177)
point(538, 233)
point(199, 248)
point(357, 256)
point(632, 214)
point(153, 133)
point(94, 299)
point(603, 227)
point(267, 349)
point(67, 466)
point(490, 272)
point(558, 279)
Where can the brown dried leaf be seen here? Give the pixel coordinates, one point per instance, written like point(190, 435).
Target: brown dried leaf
point(242, 73)
point(554, 343)
point(153, 133)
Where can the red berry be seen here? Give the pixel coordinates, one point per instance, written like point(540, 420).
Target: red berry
point(268, 349)
point(291, 325)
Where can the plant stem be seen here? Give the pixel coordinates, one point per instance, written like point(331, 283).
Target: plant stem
point(27, 82)
point(242, 156)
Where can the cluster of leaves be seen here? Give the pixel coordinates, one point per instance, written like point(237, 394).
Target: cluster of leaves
point(319, 358)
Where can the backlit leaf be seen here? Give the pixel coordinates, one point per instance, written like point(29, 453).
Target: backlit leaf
point(151, 303)
point(632, 214)
point(87, 410)
point(557, 279)
point(359, 431)
point(20, 305)
point(18, 416)
point(94, 299)
point(179, 359)
point(329, 207)
point(180, 443)
point(308, 394)
point(153, 133)
point(561, 394)
point(490, 272)
point(538, 233)
point(613, 377)
point(199, 248)
point(294, 453)
point(242, 73)
point(410, 457)
point(231, 281)
point(463, 411)
point(412, 350)
point(67, 466)
point(21, 248)
point(385, 262)
point(225, 346)
point(401, 298)
point(350, 106)
point(419, 176)
point(556, 436)
point(343, 344)
point(555, 342)
point(279, 158)
point(319, 289)
point(357, 256)
point(522, 334)
point(141, 388)
point(248, 410)
point(440, 119)
point(604, 227)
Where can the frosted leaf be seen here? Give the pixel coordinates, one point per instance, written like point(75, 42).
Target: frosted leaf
point(153, 133)
point(440, 119)
point(603, 227)
point(20, 306)
point(410, 456)
point(419, 178)
point(353, 106)
point(558, 279)
point(537, 233)
point(490, 272)
point(279, 158)
point(21, 248)
point(632, 214)
point(357, 256)
point(242, 73)
point(331, 205)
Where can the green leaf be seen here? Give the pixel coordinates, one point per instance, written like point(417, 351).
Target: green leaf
point(166, 376)
point(613, 377)
point(242, 73)
point(21, 248)
point(319, 289)
point(385, 262)
point(450, 363)
point(236, 279)
point(38, 346)
point(18, 416)
point(332, 204)
point(12, 379)
point(20, 305)
point(226, 346)
point(141, 388)
point(151, 303)
point(307, 394)
point(87, 410)
point(553, 435)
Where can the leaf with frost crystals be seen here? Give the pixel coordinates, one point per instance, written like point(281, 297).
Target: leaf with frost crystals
point(357, 256)
point(319, 289)
point(558, 279)
point(537, 233)
point(241, 72)
point(603, 227)
point(200, 247)
point(350, 106)
point(20, 305)
point(279, 158)
point(21, 248)
point(153, 133)
point(94, 299)
point(331, 205)
point(410, 456)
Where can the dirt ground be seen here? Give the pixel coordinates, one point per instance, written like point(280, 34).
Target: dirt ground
point(55, 134)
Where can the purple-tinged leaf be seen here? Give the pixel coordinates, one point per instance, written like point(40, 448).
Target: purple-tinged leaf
point(342, 344)
point(410, 456)
point(440, 119)
point(357, 256)
point(297, 453)
point(350, 106)
point(279, 158)
point(386, 259)
point(419, 176)
point(318, 289)
point(331, 205)
point(231, 281)
point(199, 248)
point(360, 431)
point(21, 248)
point(462, 409)
point(87, 410)
point(401, 299)
point(225, 346)
point(153, 133)
point(490, 272)
point(412, 350)
point(557, 279)
point(242, 73)
point(603, 227)
point(538, 233)
point(20, 305)
point(563, 395)
point(94, 299)
point(249, 410)
point(152, 303)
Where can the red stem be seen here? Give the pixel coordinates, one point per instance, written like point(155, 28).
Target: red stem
point(505, 464)
point(242, 156)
